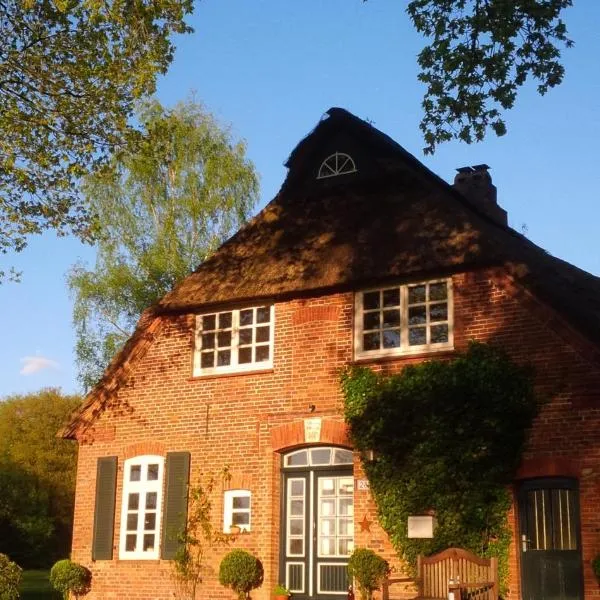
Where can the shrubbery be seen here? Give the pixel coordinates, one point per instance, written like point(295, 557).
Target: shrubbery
point(369, 570)
point(67, 576)
point(242, 572)
point(10, 577)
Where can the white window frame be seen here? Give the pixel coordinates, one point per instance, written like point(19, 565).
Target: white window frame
point(228, 510)
point(404, 349)
point(234, 366)
point(142, 487)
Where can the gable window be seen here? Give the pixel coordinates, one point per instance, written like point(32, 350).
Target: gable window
point(141, 510)
point(236, 510)
point(336, 164)
point(404, 319)
point(234, 340)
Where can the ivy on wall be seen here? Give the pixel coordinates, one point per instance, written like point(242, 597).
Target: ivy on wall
point(447, 437)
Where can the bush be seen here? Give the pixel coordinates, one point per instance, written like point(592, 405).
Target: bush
point(242, 572)
point(67, 576)
point(10, 577)
point(369, 570)
point(596, 566)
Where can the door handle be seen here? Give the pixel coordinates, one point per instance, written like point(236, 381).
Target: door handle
point(525, 541)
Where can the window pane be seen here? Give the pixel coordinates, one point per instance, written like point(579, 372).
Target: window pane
point(416, 294)
point(417, 315)
point(223, 358)
point(438, 312)
point(347, 506)
point(327, 487)
point(297, 488)
point(345, 546)
point(346, 527)
point(240, 518)
point(208, 322)
point(342, 457)
point(371, 320)
point(262, 334)
point(439, 334)
point(417, 336)
point(371, 341)
point(246, 317)
point(245, 355)
point(224, 339)
point(151, 500)
point(321, 456)
point(327, 508)
point(391, 297)
point(208, 340)
point(207, 360)
point(391, 338)
point(296, 526)
point(135, 473)
point(327, 526)
point(246, 336)
point(327, 546)
point(148, 541)
point(225, 320)
point(371, 300)
point(152, 472)
point(134, 502)
point(241, 502)
point(391, 318)
point(132, 521)
point(130, 543)
point(263, 314)
point(297, 546)
point(297, 507)
point(150, 521)
point(346, 486)
point(438, 291)
point(262, 353)
point(297, 459)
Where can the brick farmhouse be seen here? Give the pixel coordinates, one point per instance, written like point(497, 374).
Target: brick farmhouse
point(363, 257)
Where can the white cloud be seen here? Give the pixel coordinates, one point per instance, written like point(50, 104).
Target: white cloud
point(33, 364)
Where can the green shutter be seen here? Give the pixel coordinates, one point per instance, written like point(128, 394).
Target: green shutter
point(104, 512)
point(176, 500)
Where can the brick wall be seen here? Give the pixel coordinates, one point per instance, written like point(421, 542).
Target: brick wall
point(244, 421)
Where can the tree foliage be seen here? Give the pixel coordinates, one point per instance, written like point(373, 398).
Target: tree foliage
point(37, 477)
point(70, 73)
point(163, 209)
point(480, 53)
point(10, 577)
point(447, 437)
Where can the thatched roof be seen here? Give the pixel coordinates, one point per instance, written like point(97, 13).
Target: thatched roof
point(392, 219)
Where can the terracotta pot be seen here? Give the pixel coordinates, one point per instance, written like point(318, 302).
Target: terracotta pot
point(280, 597)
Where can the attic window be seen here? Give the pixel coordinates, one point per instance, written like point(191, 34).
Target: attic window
point(336, 164)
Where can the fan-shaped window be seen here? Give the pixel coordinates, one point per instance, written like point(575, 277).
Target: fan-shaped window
point(336, 164)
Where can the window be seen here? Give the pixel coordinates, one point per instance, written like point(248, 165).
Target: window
point(142, 503)
point(234, 340)
point(336, 164)
point(404, 319)
point(236, 510)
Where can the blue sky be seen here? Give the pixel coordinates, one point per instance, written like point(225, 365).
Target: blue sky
point(270, 68)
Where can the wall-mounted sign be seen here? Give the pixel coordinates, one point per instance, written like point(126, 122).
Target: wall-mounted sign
point(421, 527)
point(312, 430)
point(362, 485)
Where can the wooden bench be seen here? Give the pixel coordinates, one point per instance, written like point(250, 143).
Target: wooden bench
point(474, 578)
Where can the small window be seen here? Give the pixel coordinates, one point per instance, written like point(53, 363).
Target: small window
point(404, 319)
point(237, 510)
point(336, 164)
point(141, 509)
point(234, 340)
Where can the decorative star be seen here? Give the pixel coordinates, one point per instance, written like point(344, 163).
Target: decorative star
point(365, 524)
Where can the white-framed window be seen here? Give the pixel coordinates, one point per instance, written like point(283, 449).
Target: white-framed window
point(237, 509)
point(142, 507)
point(234, 340)
point(404, 319)
point(337, 163)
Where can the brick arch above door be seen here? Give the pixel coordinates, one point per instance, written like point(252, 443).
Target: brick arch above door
point(309, 431)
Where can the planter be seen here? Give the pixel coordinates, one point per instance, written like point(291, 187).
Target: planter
point(280, 597)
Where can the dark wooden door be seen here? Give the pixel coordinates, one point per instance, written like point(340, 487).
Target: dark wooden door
point(550, 540)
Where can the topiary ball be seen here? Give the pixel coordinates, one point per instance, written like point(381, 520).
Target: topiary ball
point(67, 576)
point(241, 571)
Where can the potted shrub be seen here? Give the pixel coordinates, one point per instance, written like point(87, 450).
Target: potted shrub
point(69, 577)
point(368, 570)
point(280, 592)
point(10, 577)
point(242, 572)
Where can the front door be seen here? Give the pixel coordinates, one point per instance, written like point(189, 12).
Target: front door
point(317, 525)
point(550, 543)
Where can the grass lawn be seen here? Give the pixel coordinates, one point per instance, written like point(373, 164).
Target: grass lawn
point(35, 586)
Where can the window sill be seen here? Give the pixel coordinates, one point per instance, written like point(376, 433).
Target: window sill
point(201, 377)
point(374, 358)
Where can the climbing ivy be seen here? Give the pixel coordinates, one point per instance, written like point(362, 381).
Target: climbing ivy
point(447, 437)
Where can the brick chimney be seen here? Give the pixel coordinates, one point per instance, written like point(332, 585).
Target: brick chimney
point(475, 184)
